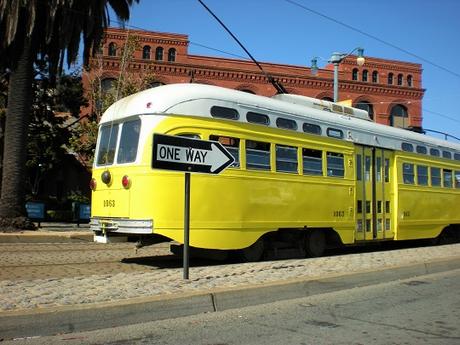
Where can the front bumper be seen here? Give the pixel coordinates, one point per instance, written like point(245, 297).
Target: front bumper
point(121, 225)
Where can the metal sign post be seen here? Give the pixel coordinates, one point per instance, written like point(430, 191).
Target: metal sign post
point(189, 155)
point(186, 252)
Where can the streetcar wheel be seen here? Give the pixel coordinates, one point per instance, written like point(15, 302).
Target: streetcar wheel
point(315, 243)
point(254, 252)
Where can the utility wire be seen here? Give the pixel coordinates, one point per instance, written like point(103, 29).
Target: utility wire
point(295, 3)
point(276, 84)
point(242, 57)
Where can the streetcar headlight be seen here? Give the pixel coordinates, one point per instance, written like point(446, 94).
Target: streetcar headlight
point(106, 177)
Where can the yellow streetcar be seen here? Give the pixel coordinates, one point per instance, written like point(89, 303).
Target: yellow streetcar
point(307, 174)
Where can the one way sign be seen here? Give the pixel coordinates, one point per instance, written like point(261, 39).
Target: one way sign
point(189, 155)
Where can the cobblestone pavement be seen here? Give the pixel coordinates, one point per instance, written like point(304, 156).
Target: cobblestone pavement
point(159, 280)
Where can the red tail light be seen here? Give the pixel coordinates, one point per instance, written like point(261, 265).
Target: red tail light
point(126, 181)
point(92, 184)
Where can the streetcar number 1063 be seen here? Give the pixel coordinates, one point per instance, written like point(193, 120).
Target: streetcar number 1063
point(109, 203)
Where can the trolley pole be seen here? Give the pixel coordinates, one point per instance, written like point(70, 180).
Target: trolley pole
point(186, 251)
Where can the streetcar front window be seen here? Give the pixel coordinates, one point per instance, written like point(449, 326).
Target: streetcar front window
point(107, 144)
point(129, 140)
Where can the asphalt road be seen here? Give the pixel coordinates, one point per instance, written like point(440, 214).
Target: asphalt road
point(422, 310)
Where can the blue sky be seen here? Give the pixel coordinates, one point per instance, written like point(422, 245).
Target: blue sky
point(280, 32)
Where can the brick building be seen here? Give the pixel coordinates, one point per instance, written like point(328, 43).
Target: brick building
point(390, 90)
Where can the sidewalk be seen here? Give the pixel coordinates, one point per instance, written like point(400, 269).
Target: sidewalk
point(47, 306)
point(50, 233)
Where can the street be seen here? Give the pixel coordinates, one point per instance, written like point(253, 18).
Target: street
point(422, 310)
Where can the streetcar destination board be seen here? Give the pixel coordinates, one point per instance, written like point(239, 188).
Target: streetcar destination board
point(189, 155)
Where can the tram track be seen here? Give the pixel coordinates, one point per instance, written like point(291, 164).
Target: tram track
point(44, 261)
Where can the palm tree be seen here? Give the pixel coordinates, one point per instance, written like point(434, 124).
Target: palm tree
point(28, 29)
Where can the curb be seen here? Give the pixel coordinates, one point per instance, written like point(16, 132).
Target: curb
point(42, 322)
point(46, 237)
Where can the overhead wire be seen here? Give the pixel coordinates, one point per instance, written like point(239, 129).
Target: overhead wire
point(338, 22)
point(295, 3)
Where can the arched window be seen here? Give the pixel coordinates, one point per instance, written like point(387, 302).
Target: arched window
point(108, 84)
point(400, 79)
point(399, 116)
point(375, 77)
point(159, 54)
point(171, 55)
point(112, 49)
point(409, 80)
point(146, 53)
point(390, 78)
point(354, 75)
point(367, 106)
point(365, 74)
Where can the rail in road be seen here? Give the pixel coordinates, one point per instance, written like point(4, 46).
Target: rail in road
point(40, 261)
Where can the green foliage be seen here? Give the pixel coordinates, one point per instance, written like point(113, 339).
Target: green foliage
point(53, 106)
point(77, 196)
point(83, 139)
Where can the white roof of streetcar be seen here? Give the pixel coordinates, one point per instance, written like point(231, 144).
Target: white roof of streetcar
point(197, 100)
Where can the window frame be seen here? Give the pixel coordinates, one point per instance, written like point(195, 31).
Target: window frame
point(255, 115)
point(220, 112)
point(282, 121)
point(313, 158)
point(330, 170)
point(408, 177)
point(267, 154)
point(279, 161)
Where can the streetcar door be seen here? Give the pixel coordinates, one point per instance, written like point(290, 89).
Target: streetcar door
point(372, 194)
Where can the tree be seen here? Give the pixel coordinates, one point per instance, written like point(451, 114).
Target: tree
point(55, 106)
point(84, 138)
point(28, 30)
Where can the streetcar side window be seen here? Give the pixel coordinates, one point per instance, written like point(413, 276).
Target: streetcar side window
point(107, 144)
point(446, 154)
point(435, 177)
point(286, 159)
point(232, 145)
point(286, 123)
point(447, 175)
point(312, 162)
point(421, 149)
point(311, 128)
point(407, 147)
point(408, 173)
point(359, 168)
point(224, 113)
point(260, 119)
point(457, 179)
point(335, 166)
point(129, 140)
point(457, 156)
point(257, 155)
point(422, 175)
point(435, 152)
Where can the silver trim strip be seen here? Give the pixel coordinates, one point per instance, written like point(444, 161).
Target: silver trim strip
point(122, 225)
